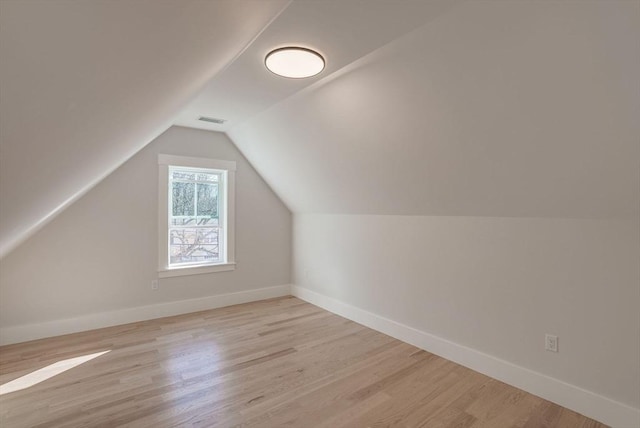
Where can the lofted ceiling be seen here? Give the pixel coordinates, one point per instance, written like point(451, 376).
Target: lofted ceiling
point(439, 107)
point(493, 108)
point(342, 31)
point(86, 84)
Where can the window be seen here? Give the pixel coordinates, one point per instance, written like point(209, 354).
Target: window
point(196, 198)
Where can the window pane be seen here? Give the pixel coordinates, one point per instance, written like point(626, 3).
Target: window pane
point(183, 199)
point(207, 177)
point(208, 221)
point(199, 245)
point(207, 200)
point(183, 221)
point(183, 175)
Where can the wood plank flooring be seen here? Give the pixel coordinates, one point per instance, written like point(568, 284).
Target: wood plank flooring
point(275, 363)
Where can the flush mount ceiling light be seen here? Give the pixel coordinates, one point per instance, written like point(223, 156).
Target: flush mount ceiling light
point(294, 62)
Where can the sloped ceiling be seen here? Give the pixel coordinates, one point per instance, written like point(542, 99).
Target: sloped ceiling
point(493, 109)
point(486, 108)
point(343, 31)
point(86, 84)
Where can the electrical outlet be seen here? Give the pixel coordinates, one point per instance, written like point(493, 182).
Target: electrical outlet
point(551, 342)
point(154, 284)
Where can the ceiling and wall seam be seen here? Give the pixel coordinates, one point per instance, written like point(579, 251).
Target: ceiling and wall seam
point(11, 240)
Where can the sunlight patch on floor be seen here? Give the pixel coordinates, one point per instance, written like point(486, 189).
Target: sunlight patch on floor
point(47, 372)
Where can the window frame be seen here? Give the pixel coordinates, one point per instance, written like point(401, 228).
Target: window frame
point(227, 168)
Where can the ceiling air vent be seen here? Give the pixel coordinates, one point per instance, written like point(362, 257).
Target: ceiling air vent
point(212, 120)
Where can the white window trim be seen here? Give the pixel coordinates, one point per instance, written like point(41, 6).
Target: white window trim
point(164, 161)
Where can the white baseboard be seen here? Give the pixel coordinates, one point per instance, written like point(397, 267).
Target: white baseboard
point(23, 333)
point(590, 404)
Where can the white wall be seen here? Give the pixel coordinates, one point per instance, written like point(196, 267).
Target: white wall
point(478, 179)
point(101, 254)
point(496, 285)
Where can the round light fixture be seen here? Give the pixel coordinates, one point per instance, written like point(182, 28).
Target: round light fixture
point(294, 62)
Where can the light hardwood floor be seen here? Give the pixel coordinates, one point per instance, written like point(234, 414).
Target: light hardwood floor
point(276, 363)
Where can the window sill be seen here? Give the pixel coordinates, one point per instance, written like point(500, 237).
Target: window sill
point(195, 270)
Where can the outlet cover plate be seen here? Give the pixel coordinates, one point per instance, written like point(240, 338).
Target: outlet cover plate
point(551, 342)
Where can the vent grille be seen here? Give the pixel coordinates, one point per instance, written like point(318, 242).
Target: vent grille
point(212, 120)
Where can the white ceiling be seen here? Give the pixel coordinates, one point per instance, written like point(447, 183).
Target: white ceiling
point(526, 109)
point(436, 107)
point(86, 84)
point(342, 31)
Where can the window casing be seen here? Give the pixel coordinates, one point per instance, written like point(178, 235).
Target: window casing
point(196, 207)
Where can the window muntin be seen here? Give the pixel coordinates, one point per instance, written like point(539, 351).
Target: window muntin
point(196, 216)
